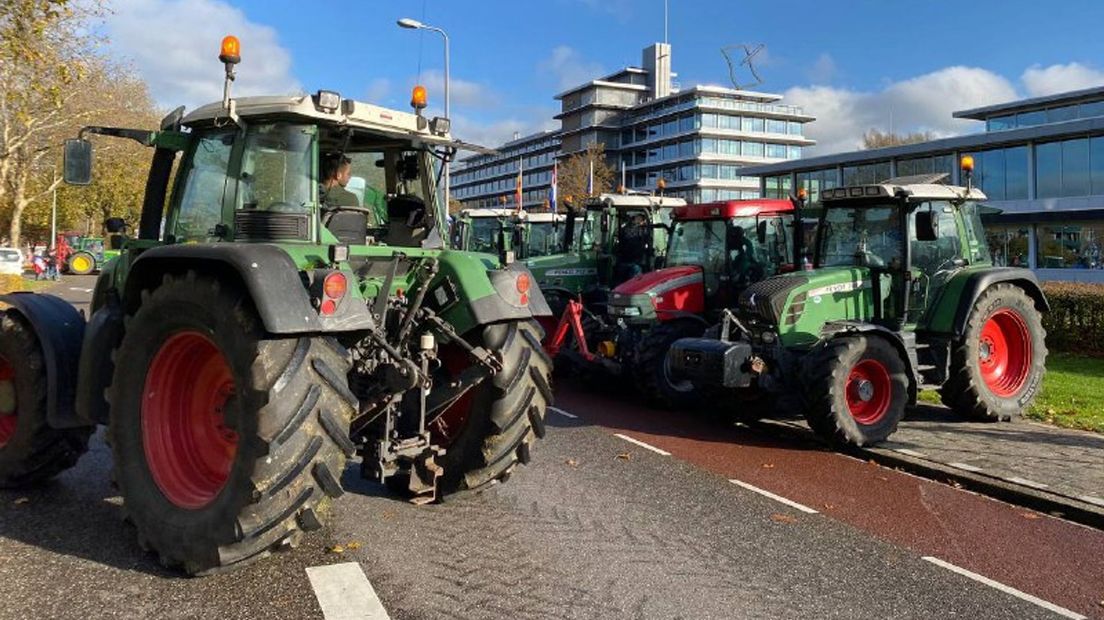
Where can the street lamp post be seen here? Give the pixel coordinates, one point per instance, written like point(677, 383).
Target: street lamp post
point(414, 24)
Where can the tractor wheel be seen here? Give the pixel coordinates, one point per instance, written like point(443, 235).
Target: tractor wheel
point(228, 441)
point(81, 263)
point(856, 390)
point(30, 450)
point(494, 426)
point(652, 371)
point(998, 366)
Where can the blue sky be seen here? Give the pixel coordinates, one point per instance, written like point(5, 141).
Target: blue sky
point(854, 65)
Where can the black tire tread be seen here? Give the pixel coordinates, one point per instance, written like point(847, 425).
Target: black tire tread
point(37, 452)
point(651, 354)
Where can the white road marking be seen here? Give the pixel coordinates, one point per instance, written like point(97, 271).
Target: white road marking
point(1092, 500)
point(82, 290)
point(563, 413)
point(965, 466)
point(1061, 611)
point(906, 451)
point(777, 498)
point(642, 444)
point(344, 593)
point(1026, 482)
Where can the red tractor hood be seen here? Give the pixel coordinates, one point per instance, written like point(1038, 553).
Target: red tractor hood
point(659, 281)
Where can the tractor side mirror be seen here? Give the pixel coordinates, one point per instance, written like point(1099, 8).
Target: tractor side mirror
point(77, 162)
point(761, 231)
point(926, 227)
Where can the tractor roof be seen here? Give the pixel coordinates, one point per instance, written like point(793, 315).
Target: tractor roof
point(540, 218)
point(487, 212)
point(349, 113)
point(633, 201)
point(733, 208)
point(918, 188)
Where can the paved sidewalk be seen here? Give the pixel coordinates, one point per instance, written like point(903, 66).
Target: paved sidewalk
point(1062, 461)
point(1062, 465)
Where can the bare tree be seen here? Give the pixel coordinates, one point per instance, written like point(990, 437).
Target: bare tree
point(876, 139)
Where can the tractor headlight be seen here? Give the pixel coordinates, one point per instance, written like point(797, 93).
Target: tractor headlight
point(327, 101)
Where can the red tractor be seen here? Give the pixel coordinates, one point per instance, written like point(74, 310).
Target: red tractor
point(715, 251)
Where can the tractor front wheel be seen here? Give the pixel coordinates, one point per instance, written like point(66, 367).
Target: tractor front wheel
point(80, 263)
point(856, 389)
point(227, 441)
point(998, 365)
point(30, 450)
point(652, 370)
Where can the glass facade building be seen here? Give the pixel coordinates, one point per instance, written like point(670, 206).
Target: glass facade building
point(1039, 161)
point(696, 140)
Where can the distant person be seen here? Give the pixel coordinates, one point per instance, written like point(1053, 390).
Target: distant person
point(39, 265)
point(741, 254)
point(632, 248)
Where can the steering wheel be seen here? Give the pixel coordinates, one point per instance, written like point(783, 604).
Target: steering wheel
point(329, 211)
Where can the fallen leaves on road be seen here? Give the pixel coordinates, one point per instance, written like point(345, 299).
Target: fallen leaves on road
point(22, 500)
point(339, 549)
point(829, 506)
point(1030, 515)
point(624, 456)
point(571, 462)
point(353, 546)
point(335, 549)
point(778, 517)
point(768, 465)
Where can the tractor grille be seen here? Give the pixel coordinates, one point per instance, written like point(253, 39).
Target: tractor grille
point(265, 225)
point(766, 298)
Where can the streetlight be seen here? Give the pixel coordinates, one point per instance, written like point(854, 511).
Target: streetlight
point(413, 24)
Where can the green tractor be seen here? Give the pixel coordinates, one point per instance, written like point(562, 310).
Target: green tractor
point(592, 264)
point(241, 353)
point(87, 255)
point(902, 297)
point(523, 234)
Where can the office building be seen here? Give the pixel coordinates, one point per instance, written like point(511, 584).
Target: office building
point(1040, 161)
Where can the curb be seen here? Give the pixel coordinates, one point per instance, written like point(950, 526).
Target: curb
point(1054, 504)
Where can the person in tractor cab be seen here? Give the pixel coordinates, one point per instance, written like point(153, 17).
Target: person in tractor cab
point(745, 268)
point(632, 249)
point(336, 172)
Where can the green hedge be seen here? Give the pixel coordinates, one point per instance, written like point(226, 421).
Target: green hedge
point(1075, 323)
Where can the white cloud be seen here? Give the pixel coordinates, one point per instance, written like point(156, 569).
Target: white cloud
point(174, 45)
point(568, 68)
point(1041, 81)
point(923, 103)
point(462, 93)
point(495, 133)
point(823, 69)
point(377, 91)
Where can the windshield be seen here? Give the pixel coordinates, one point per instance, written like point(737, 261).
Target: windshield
point(484, 235)
point(276, 171)
point(544, 239)
point(869, 236)
point(698, 243)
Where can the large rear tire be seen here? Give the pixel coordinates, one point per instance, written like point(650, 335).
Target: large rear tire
point(856, 390)
point(30, 450)
point(228, 441)
point(997, 367)
point(80, 263)
point(652, 371)
point(493, 427)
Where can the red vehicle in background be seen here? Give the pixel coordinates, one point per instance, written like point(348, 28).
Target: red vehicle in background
point(715, 251)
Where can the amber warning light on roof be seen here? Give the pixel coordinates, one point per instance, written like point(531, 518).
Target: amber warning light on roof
point(968, 163)
point(418, 98)
point(230, 52)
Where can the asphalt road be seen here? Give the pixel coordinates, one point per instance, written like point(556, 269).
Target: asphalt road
point(596, 527)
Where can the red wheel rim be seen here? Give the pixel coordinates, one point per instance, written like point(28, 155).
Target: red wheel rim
point(188, 446)
point(1004, 352)
point(445, 427)
point(8, 419)
point(869, 389)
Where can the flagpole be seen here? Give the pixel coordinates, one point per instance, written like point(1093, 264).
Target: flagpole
point(623, 186)
point(590, 180)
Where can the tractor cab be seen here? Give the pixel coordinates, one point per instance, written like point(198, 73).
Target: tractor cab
point(490, 231)
point(716, 250)
point(544, 234)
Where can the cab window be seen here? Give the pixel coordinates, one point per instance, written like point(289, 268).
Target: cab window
point(938, 254)
point(204, 188)
point(277, 168)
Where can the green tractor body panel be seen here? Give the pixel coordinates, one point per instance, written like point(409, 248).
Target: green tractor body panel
point(816, 297)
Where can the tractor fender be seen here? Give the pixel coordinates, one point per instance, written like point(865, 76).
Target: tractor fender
point(102, 335)
point(833, 329)
point(507, 304)
point(60, 330)
point(979, 281)
point(267, 272)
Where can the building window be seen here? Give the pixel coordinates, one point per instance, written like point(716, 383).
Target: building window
point(816, 181)
point(926, 165)
point(777, 187)
point(1001, 173)
point(866, 174)
point(998, 123)
point(1008, 244)
point(776, 126)
point(1087, 110)
point(1061, 113)
point(776, 150)
point(754, 149)
point(1069, 168)
point(1070, 246)
point(1028, 119)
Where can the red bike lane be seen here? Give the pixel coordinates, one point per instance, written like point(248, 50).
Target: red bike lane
point(1056, 560)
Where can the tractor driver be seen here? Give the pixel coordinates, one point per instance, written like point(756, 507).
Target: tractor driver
point(632, 248)
point(337, 169)
point(741, 256)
